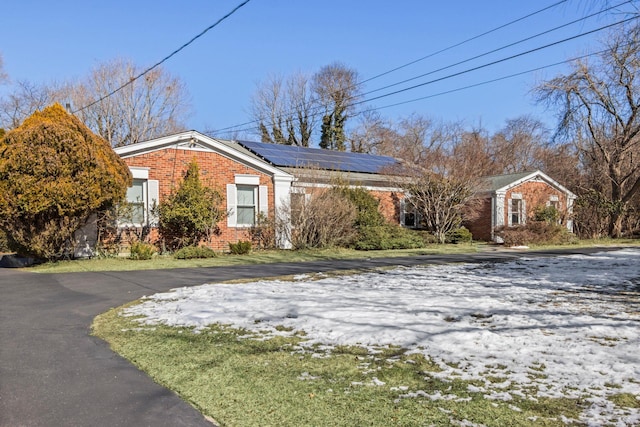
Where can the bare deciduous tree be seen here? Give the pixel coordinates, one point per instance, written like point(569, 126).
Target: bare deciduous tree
point(337, 89)
point(301, 120)
point(471, 156)
point(443, 202)
point(25, 99)
point(515, 146)
point(4, 77)
point(151, 106)
point(599, 105)
point(373, 134)
point(416, 140)
point(284, 110)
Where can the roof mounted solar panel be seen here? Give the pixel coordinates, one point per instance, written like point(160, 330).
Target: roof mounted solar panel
point(303, 157)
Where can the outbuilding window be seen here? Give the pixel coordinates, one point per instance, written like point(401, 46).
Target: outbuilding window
point(517, 213)
point(409, 216)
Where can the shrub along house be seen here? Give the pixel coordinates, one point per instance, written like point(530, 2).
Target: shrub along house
point(512, 200)
point(253, 177)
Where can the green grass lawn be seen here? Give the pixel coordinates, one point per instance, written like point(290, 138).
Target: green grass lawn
point(272, 256)
point(256, 257)
point(240, 380)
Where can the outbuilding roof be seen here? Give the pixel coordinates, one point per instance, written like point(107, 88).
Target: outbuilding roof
point(497, 183)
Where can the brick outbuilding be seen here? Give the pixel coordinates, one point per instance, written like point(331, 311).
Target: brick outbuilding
point(511, 200)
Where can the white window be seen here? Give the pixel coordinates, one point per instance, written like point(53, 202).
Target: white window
point(135, 199)
point(142, 198)
point(245, 200)
point(409, 217)
point(246, 206)
point(516, 211)
point(517, 214)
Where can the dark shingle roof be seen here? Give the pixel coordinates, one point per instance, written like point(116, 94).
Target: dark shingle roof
point(496, 182)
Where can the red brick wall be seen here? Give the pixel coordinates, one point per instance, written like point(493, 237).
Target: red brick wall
point(480, 227)
point(389, 204)
point(536, 194)
point(216, 171)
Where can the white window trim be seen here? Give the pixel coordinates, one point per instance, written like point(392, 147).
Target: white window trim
point(522, 217)
point(139, 172)
point(150, 197)
point(247, 179)
point(261, 198)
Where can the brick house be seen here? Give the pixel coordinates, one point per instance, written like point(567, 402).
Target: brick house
point(511, 200)
point(252, 177)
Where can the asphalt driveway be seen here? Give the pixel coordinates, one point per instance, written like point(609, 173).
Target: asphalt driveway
point(53, 373)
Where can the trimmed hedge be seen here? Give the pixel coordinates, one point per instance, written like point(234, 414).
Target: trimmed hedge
point(142, 251)
point(194, 252)
point(241, 248)
point(535, 233)
point(387, 237)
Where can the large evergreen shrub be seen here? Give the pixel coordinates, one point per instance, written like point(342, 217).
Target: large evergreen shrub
point(54, 174)
point(367, 206)
point(387, 236)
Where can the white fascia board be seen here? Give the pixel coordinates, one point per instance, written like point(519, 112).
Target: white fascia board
point(203, 140)
point(153, 144)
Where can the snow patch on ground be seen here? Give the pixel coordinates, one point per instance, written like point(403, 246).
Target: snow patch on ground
point(568, 325)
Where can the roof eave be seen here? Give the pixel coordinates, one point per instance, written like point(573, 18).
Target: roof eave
point(212, 143)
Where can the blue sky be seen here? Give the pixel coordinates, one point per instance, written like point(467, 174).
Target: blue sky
point(44, 41)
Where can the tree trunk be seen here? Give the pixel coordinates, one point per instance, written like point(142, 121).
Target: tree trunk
point(615, 225)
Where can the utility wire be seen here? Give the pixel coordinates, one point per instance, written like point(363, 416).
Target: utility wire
point(497, 79)
point(508, 58)
point(477, 68)
point(235, 127)
point(493, 30)
point(166, 58)
point(498, 49)
point(422, 58)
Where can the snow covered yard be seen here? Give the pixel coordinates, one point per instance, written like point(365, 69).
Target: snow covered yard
point(540, 327)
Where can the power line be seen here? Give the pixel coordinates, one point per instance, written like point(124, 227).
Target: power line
point(166, 58)
point(497, 79)
point(235, 127)
point(424, 57)
point(493, 30)
point(499, 49)
point(508, 58)
point(479, 67)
